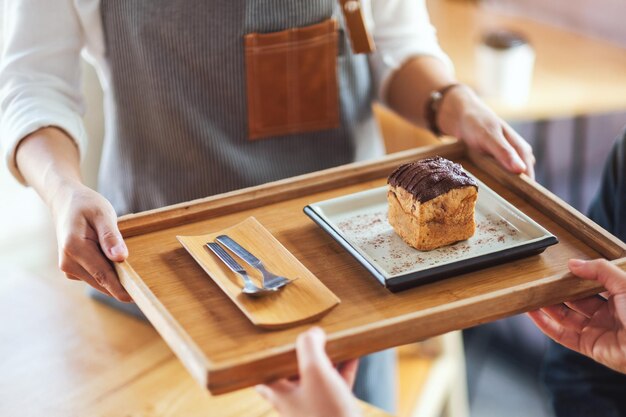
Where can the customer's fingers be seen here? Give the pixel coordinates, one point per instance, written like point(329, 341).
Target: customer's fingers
point(607, 274)
point(348, 371)
point(277, 391)
point(566, 317)
point(267, 393)
point(523, 149)
point(282, 385)
point(554, 330)
point(313, 362)
point(98, 267)
point(587, 306)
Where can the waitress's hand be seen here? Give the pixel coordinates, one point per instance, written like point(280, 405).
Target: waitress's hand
point(85, 222)
point(463, 115)
point(88, 238)
point(321, 390)
point(593, 326)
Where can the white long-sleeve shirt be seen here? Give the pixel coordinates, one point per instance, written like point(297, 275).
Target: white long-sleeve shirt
point(43, 40)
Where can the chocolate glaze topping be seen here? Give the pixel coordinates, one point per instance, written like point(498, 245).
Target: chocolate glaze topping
point(430, 177)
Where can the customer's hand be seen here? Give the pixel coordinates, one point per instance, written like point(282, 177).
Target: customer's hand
point(464, 116)
point(321, 390)
point(88, 237)
point(593, 326)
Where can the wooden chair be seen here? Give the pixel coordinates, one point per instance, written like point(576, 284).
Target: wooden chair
point(432, 380)
point(399, 134)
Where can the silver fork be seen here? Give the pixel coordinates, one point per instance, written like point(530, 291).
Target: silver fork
point(249, 287)
point(270, 280)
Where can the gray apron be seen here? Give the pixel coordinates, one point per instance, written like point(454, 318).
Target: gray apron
point(179, 102)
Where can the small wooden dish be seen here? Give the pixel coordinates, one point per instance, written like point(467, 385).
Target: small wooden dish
point(304, 300)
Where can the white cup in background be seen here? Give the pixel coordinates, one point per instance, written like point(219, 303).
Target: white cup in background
point(504, 67)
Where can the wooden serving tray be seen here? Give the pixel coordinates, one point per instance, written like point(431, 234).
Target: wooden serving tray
point(303, 300)
point(224, 351)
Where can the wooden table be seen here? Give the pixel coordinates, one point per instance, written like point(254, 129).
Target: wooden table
point(63, 354)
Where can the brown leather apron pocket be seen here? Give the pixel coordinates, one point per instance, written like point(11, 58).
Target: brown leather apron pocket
point(291, 79)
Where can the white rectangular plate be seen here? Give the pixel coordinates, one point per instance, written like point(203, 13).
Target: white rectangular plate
point(359, 223)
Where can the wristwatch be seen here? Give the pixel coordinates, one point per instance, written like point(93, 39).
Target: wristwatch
point(432, 107)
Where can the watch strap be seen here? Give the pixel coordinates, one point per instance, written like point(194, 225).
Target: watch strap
point(432, 107)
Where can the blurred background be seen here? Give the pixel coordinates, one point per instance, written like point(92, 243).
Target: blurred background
point(574, 109)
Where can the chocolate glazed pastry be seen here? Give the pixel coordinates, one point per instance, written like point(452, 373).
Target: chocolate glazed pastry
point(431, 203)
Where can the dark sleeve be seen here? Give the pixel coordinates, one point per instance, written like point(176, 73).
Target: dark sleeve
point(608, 208)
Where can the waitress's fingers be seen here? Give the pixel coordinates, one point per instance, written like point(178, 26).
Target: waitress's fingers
point(110, 239)
point(98, 267)
point(72, 277)
point(495, 143)
point(74, 271)
point(523, 148)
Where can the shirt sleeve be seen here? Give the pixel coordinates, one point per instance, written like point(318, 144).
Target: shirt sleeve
point(40, 80)
point(401, 31)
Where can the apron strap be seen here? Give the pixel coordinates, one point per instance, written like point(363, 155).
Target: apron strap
point(360, 38)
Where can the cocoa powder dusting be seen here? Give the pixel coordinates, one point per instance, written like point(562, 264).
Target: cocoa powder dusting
point(373, 235)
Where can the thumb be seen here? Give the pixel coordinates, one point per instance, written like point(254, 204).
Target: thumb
point(601, 270)
point(110, 238)
point(312, 358)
